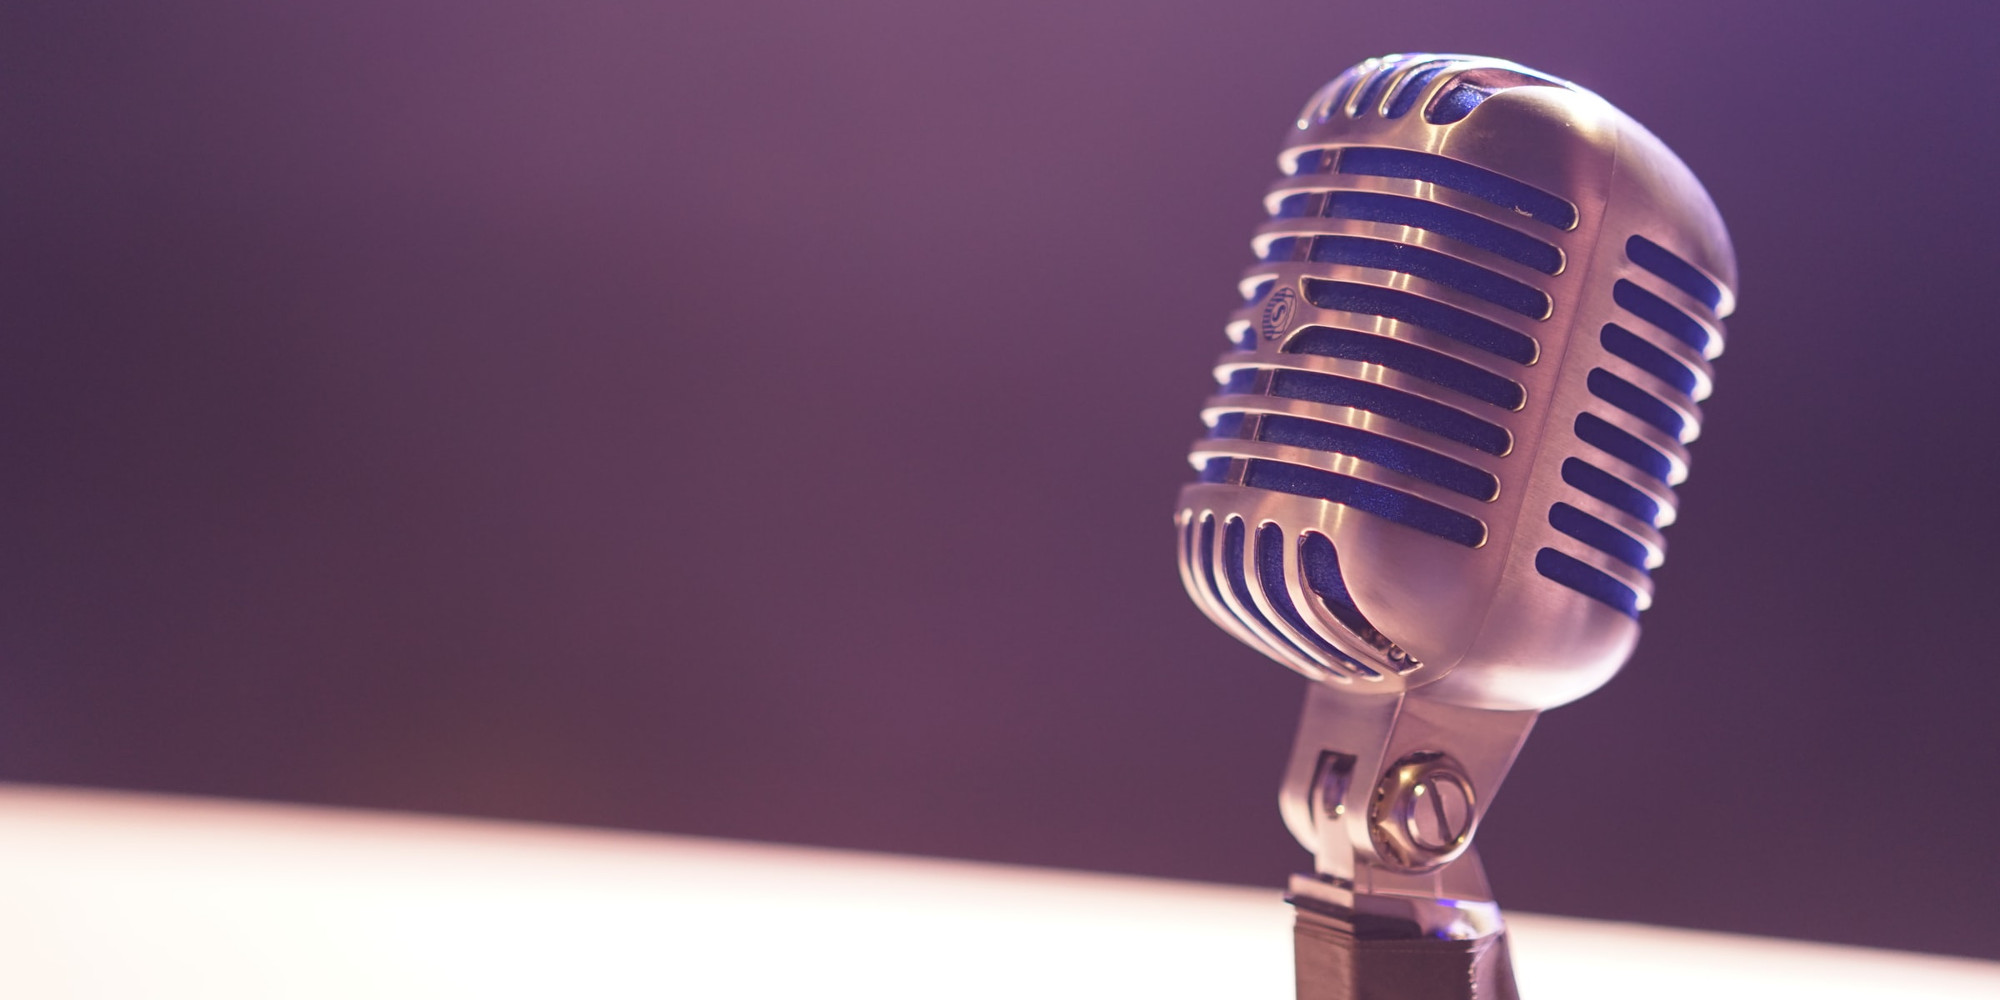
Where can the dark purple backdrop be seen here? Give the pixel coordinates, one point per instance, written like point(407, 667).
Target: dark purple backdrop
point(763, 420)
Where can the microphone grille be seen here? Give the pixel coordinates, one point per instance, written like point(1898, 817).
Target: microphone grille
point(1652, 371)
point(1389, 359)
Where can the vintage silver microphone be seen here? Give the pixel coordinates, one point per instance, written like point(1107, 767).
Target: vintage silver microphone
point(1443, 449)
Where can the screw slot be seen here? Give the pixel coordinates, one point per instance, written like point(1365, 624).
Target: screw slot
point(1424, 812)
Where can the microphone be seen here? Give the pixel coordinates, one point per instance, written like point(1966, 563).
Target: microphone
point(1461, 390)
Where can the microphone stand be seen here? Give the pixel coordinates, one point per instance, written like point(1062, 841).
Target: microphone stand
point(1386, 790)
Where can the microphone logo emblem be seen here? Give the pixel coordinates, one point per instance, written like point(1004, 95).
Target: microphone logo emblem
point(1276, 319)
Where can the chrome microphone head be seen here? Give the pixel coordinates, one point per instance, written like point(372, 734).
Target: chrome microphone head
point(1466, 374)
point(1461, 391)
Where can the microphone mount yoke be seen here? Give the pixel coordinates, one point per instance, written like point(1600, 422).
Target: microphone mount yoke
point(1399, 905)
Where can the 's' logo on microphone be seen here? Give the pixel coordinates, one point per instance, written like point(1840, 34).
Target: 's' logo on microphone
point(1278, 310)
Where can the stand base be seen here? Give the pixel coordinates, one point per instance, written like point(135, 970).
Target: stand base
point(1334, 963)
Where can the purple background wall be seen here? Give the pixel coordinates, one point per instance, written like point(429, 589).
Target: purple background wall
point(762, 420)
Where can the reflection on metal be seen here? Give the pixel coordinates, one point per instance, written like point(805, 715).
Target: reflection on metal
point(1467, 368)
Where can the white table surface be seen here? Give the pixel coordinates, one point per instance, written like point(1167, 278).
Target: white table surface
point(106, 894)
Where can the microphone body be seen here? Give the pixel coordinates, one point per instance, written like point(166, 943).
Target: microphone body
point(1443, 449)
